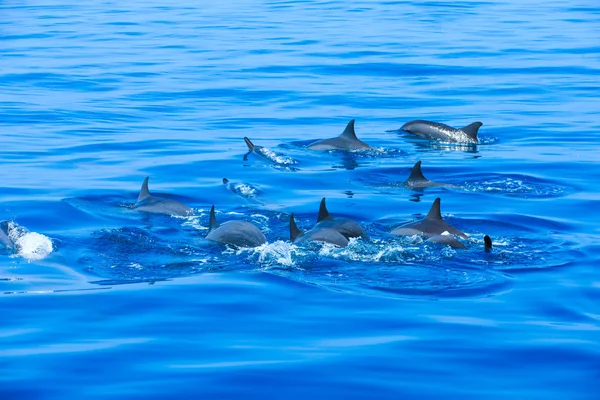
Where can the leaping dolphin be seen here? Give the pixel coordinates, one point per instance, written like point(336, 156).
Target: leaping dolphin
point(432, 226)
point(235, 233)
point(158, 205)
point(347, 140)
point(345, 226)
point(316, 234)
point(416, 180)
point(439, 131)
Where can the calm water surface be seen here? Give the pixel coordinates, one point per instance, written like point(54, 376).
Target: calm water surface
point(101, 301)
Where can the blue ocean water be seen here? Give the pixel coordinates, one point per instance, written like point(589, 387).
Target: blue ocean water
point(101, 301)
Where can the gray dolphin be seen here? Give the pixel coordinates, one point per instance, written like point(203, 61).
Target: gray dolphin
point(439, 131)
point(433, 225)
point(5, 239)
point(159, 205)
point(316, 234)
point(267, 153)
point(347, 140)
point(345, 226)
point(235, 233)
point(416, 180)
point(241, 189)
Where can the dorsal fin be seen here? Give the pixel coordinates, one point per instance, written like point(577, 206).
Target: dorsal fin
point(249, 144)
point(416, 174)
point(144, 192)
point(323, 213)
point(472, 129)
point(294, 231)
point(487, 243)
point(349, 131)
point(225, 180)
point(213, 224)
point(435, 212)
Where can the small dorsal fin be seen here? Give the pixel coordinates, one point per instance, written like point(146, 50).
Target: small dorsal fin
point(472, 129)
point(416, 174)
point(144, 192)
point(213, 224)
point(435, 212)
point(225, 180)
point(294, 231)
point(487, 243)
point(349, 131)
point(249, 144)
point(323, 213)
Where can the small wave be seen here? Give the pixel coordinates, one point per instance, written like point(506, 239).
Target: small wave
point(522, 186)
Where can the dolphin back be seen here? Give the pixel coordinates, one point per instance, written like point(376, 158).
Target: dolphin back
point(237, 233)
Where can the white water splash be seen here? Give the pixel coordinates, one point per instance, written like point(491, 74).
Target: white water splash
point(29, 245)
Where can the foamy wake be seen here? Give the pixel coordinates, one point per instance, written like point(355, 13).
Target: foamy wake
point(29, 245)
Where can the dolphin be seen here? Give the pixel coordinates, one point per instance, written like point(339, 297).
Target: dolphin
point(345, 226)
point(235, 233)
point(447, 239)
point(5, 241)
point(487, 243)
point(433, 225)
point(316, 234)
point(241, 189)
point(416, 180)
point(347, 140)
point(439, 131)
point(159, 205)
point(268, 154)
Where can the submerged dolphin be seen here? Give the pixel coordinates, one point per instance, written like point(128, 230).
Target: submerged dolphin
point(5, 240)
point(241, 189)
point(345, 226)
point(346, 141)
point(268, 154)
point(236, 233)
point(416, 180)
point(316, 234)
point(439, 131)
point(158, 205)
point(432, 226)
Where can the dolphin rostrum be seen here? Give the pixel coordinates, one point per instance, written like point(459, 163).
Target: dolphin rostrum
point(347, 140)
point(316, 234)
point(432, 226)
point(345, 226)
point(416, 180)
point(159, 205)
point(439, 131)
point(235, 232)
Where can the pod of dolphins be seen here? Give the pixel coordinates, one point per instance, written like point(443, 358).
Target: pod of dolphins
point(329, 229)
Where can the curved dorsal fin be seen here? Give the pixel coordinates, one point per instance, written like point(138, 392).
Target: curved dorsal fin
point(435, 212)
point(294, 231)
point(349, 131)
point(416, 174)
point(323, 213)
point(213, 224)
point(472, 129)
point(249, 144)
point(144, 192)
point(487, 243)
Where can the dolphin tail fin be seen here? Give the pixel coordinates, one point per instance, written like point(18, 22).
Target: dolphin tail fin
point(349, 132)
point(487, 243)
point(416, 174)
point(213, 224)
point(294, 231)
point(249, 144)
point(472, 129)
point(435, 213)
point(225, 180)
point(144, 192)
point(323, 213)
